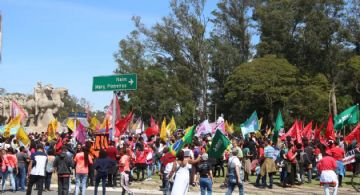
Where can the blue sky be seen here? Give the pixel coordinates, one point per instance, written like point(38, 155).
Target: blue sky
point(67, 42)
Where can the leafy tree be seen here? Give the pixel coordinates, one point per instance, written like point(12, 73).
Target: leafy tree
point(264, 84)
point(310, 34)
point(159, 94)
point(309, 93)
point(179, 44)
point(230, 41)
point(72, 104)
point(353, 76)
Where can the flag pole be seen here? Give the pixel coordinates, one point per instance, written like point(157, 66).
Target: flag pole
point(113, 116)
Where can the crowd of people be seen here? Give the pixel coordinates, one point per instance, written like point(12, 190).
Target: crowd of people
point(129, 157)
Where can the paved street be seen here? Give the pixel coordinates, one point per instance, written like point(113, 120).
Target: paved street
point(249, 189)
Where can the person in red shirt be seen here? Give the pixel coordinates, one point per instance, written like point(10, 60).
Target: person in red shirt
point(338, 154)
point(140, 161)
point(112, 153)
point(82, 160)
point(124, 168)
point(12, 168)
point(291, 157)
point(326, 167)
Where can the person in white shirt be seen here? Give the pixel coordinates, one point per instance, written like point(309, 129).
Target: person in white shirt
point(36, 170)
point(234, 179)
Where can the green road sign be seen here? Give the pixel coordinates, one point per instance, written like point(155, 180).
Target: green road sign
point(119, 82)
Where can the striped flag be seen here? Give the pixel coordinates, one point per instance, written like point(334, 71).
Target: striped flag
point(16, 110)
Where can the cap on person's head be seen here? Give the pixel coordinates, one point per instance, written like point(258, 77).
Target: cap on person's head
point(204, 157)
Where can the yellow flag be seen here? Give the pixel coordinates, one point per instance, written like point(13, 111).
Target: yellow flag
point(52, 127)
point(258, 134)
point(94, 123)
point(171, 126)
point(70, 124)
point(229, 128)
point(104, 123)
point(163, 130)
point(188, 129)
point(21, 135)
point(13, 123)
point(260, 122)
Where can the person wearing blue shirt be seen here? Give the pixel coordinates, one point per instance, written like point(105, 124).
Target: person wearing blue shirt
point(268, 167)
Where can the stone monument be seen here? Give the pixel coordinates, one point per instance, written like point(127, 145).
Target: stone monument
point(41, 106)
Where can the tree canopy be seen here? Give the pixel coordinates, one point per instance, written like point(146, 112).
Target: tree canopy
point(193, 65)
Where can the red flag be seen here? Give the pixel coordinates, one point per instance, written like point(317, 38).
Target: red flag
point(298, 132)
point(153, 123)
point(354, 135)
point(317, 132)
point(301, 125)
point(330, 134)
point(307, 131)
point(291, 131)
point(153, 129)
point(122, 124)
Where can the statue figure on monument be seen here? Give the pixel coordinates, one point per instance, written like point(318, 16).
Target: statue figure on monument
point(41, 107)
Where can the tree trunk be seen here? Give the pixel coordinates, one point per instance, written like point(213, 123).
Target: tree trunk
point(333, 98)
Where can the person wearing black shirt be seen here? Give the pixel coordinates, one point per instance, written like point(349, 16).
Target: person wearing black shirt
point(206, 176)
point(309, 150)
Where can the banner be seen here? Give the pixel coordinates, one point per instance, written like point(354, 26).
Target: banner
point(203, 128)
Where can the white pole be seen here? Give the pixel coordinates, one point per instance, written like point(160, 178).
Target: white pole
point(113, 116)
point(75, 119)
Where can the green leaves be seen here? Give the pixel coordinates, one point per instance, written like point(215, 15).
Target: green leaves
point(263, 82)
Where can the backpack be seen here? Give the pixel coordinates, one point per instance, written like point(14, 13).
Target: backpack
point(304, 159)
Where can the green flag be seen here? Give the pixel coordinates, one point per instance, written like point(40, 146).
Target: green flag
point(179, 144)
point(279, 124)
point(349, 116)
point(219, 144)
point(250, 125)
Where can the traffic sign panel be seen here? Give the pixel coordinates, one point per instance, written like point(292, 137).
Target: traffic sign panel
point(119, 82)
